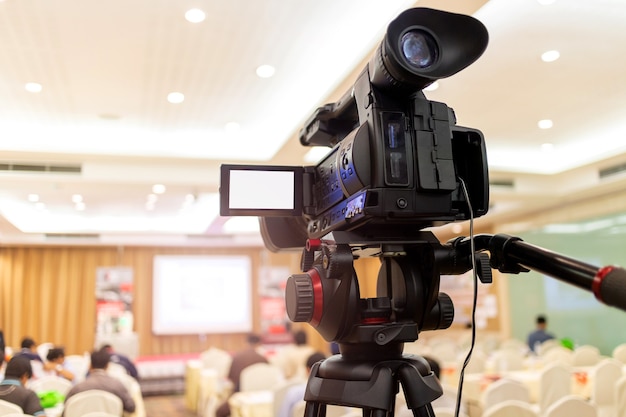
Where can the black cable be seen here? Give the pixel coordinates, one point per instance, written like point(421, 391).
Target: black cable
point(474, 300)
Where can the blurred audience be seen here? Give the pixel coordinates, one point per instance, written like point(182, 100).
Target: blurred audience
point(249, 356)
point(291, 359)
point(540, 334)
point(55, 364)
point(13, 390)
point(295, 394)
point(98, 378)
point(120, 359)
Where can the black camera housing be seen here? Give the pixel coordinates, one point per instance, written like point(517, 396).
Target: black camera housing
point(397, 159)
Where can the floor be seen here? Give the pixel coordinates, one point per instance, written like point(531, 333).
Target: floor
point(167, 406)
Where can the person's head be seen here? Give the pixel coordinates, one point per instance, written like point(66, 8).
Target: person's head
point(100, 359)
point(107, 348)
point(28, 343)
point(434, 366)
point(542, 322)
point(56, 355)
point(313, 359)
point(299, 338)
point(19, 368)
point(254, 339)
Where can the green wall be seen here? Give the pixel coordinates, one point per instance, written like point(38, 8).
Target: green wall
point(572, 312)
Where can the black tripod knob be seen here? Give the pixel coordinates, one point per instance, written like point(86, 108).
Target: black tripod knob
point(299, 298)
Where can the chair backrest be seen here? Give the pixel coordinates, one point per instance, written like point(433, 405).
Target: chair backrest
point(217, 359)
point(92, 400)
point(586, 355)
point(555, 382)
point(605, 376)
point(477, 363)
point(43, 348)
point(510, 408)
point(620, 397)
point(260, 376)
point(619, 353)
point(545, 346)
point(50, 383)
point(280, 391)
point(79, 365)
point(558, 354)
point(503, 390)
point(8, 408)
point(508, 360)
point(572, 405)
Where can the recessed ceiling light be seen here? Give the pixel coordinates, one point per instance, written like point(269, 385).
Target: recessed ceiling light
point(33, 87)
point(545, 124)
point(33, 198)
point(158, 188)
point(77, 198)
point(195, 15)
point(432, 87)
point(175, 97)
point(550, 56)
point(265, 71)
point(80, 206)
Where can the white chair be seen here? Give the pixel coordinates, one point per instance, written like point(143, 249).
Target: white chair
point(114, 369)
point(217, 359)
point(43, 348)
point(510, 408)
point(50, 383)
point(570, 406)
point(503, 390)
point(558, 354)
point(260, 376)
point(515, 345)
point(605, 376)
point(545, 347)
point(92, 400)
point(619, 353)
point(78, 365)
point(8, 408)
point(555, 382)
point(620, 397)
point(508, 360)
point(586, 355)
point(280, 391)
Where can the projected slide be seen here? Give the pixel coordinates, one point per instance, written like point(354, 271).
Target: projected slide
point(201, 294)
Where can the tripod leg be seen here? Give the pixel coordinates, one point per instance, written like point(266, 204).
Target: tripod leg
point(425, 411)
point(314, 409)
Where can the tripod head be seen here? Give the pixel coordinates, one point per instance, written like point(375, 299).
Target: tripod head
point(326, 294)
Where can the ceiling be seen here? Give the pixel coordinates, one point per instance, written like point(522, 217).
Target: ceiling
point(101, 126)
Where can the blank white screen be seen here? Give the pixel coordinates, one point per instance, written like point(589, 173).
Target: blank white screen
point(261, 189)
point(201, 294)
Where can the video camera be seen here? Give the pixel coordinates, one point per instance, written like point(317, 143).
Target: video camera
point(396, 159)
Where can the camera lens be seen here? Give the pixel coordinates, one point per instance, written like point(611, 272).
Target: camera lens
point(419, 48)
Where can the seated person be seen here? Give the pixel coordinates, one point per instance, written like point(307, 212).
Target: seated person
point(54, 364)
point(13, 390)
point(98, 378)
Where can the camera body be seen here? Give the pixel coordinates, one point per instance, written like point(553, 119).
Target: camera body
point(397, 159)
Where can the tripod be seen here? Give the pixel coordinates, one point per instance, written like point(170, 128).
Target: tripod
point(372, 384)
